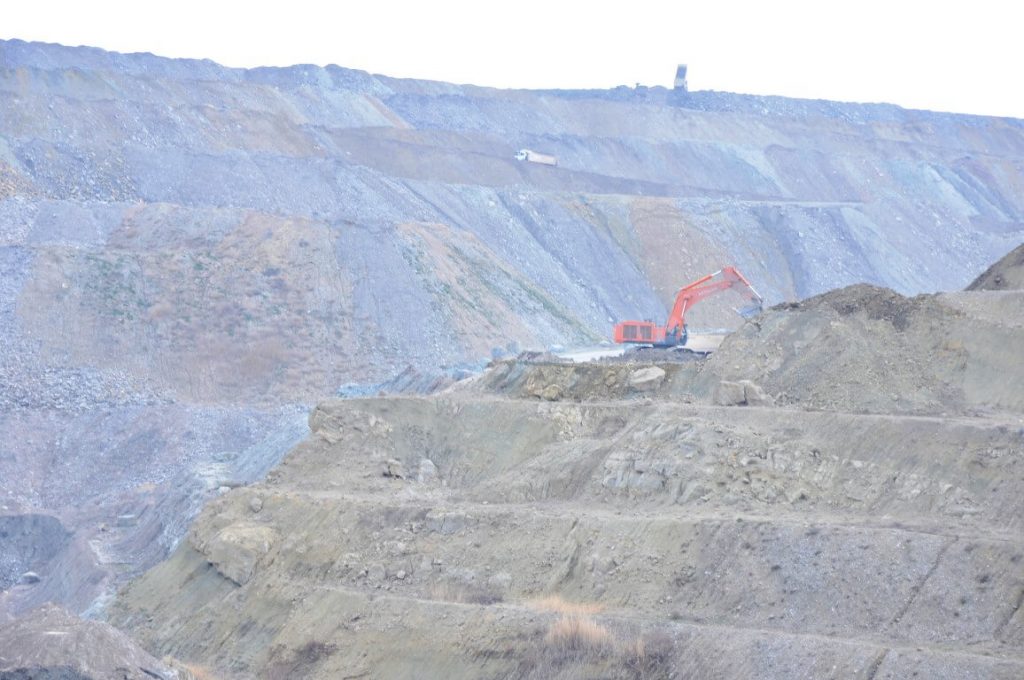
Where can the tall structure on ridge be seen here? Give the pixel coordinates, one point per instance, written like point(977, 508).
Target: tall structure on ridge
point(680, 83)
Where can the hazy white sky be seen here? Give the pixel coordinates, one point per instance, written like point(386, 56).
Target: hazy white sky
point(950, 56)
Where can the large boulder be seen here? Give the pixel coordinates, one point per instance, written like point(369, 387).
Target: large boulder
point(729, 393)
point(237, 549)
point(753, 395)
point(740, 393)
point(552, 392)
point(647, 379)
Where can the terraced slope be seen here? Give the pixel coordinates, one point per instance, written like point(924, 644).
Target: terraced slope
point(191, 256)
point(619, 526)
point(881, 545)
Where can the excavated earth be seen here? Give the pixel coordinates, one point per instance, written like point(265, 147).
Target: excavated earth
point(191, 256)
point(859, 517)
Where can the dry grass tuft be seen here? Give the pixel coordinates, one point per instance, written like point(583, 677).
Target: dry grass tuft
point(574, 645)
point(575, 634)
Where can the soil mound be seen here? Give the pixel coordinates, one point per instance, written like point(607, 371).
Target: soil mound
point(878, 304)
point(1006, 274)
point(868, 349)
point(53, 644)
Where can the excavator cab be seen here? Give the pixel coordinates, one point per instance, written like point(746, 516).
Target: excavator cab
point(639, 332)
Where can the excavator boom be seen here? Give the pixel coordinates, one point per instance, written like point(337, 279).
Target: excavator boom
point(674, 331)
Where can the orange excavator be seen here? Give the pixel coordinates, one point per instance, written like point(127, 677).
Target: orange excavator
point(673, 333)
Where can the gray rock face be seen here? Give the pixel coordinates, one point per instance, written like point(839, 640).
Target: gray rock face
point(190, 254)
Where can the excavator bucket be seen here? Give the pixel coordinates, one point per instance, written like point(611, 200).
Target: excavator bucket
point(751, 310)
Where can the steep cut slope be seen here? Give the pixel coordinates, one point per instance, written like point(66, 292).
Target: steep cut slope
point(190, 255)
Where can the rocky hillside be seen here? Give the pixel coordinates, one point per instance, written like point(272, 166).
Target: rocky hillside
point(191, 254)
point(616, 520)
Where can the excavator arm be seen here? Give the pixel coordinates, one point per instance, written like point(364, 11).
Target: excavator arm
point(674, 330)
point(727, 278)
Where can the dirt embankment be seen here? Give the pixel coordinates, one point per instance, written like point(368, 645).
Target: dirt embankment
point(868, 349)
point(50, 643)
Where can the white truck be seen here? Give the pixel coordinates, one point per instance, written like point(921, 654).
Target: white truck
point(534, 157)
